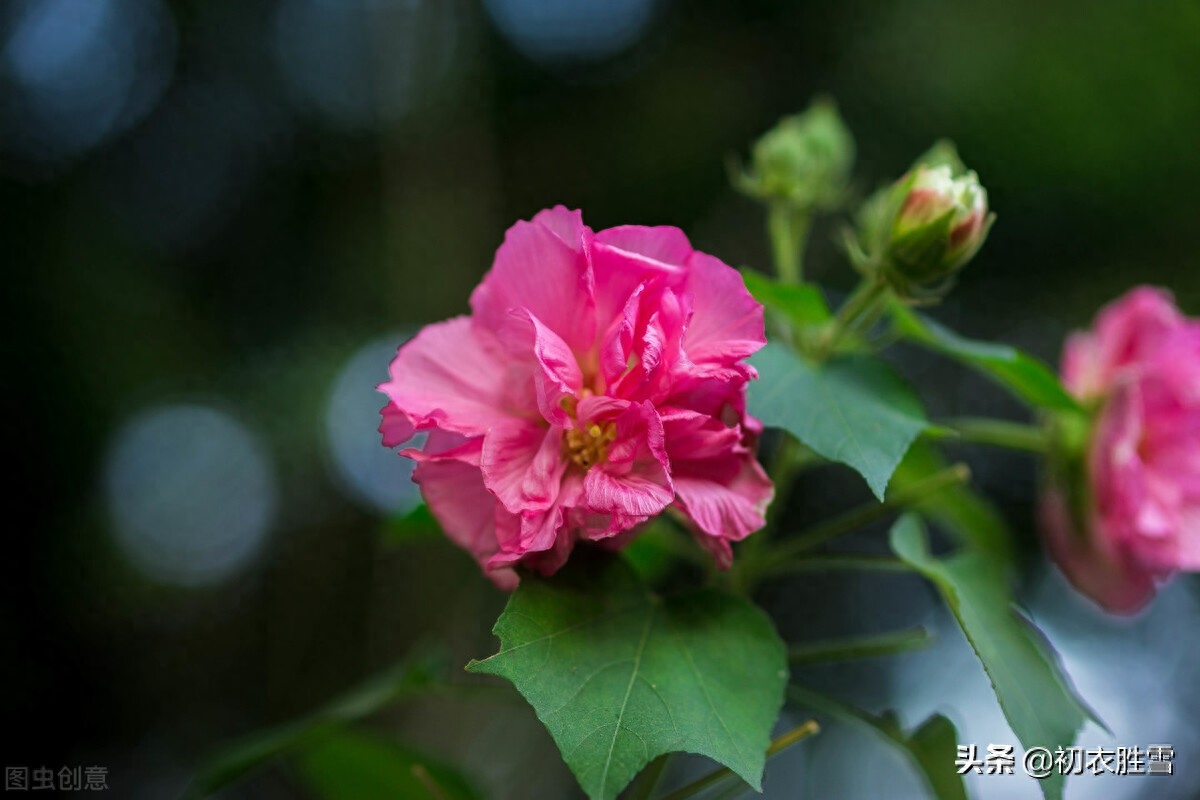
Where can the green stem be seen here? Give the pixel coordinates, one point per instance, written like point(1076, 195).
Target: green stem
point(859, 647)
point(826, 704)
point(432, 787)
point(823, 562)
point(999, 433)
point(802, 731)
point(788, 461)
point(649, 778)
point(790, 457)
point(788, 229)
point(860, 311)
point(864, 515)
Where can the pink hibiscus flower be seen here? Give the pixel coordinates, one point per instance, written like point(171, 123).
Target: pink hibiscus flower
point(599, 380)
point(1140, 516)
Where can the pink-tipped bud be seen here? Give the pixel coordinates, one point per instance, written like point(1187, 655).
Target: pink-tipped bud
point(939, 224)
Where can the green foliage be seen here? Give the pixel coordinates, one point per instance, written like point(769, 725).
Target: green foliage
point(417, 525)
point(943, 153)
point(961, 511)
point(1037, 698)
point(348, 765)
point(805, 160)
point(242, 757)
point(1023, 375)
point(930, 747)
point(854, 647)
point(659, 547)
point(619, 675)
point(801, 304)
point(852, 409)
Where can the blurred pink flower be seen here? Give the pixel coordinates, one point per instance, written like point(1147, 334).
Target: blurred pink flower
point(1140, 521)
point(599, 380)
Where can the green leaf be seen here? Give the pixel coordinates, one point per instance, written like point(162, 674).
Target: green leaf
point(1036, 696)
point(415, 526)
point(964, 513)
point(241, 757)
point(802, 304)
point(931, 747)
point(657, 549)
point(619, 675)
point(355, 766)
point(852, 409)
point(1023, 375)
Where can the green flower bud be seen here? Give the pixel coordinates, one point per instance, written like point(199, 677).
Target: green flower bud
point(922, 230)
point(804, 161)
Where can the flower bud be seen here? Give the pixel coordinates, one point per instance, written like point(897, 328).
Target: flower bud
point(926, 227)
point(804, 161)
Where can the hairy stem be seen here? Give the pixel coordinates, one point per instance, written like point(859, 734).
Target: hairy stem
point(784, 555)
point(824, 562)
point(860, 311)
point(998, 433)
point(649, 778)
point(801, 731)
point(788, 229)
point(859, 646)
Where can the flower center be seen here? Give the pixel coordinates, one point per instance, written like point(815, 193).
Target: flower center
point(588, 446)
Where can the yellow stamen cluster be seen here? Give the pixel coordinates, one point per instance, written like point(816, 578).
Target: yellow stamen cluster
point(588, 446)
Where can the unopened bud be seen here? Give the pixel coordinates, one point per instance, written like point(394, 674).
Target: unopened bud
point(804, 161)
point(922, 230)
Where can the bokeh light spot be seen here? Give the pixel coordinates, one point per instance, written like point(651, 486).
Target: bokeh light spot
point(370, 472)
point(571, 30)
point(191, 494)
point(76, 72)
point(364, 62)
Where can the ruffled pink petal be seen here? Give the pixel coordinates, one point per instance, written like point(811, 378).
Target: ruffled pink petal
point(1090, 562)
point(556, 375)
point(1127, 332)
point(714, 397)
point(627, 257)
point(535, 269)
point(617, 342)
point(444, 444)
point(609, 528)
point(635, 477)
point(567, 225)
point(718, 547)
point(639, 492)
point(454, 491)
point(643, 352)
point(695, 436)
point(395, 426)
point(1082, 371)
point(1116, 467)
point(719, 486)
point(1171, 377)
point(731, 510)
point(449, 377)
point(548, 562)
point(663, 247)
point(523, 465)
point(727, 322)
point(1187, 544)
point(539, 539)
